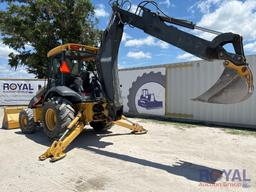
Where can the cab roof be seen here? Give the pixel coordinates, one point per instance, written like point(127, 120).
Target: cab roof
point(72, 47)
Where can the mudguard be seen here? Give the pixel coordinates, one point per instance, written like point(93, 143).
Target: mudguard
point(64, 91)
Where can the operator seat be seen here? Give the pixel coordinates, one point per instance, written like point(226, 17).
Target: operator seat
point(85, 76)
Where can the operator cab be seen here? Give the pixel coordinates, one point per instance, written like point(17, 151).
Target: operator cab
point(72, 65)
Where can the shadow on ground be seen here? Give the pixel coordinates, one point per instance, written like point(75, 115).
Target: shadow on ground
point(90, 141)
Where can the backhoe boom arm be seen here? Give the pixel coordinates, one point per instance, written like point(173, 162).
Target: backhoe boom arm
point(155, 25)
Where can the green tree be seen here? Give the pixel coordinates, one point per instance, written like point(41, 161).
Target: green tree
point(33, 27)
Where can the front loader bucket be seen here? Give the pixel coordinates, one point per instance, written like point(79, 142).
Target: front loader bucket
point(11, 117)
point(235, 85)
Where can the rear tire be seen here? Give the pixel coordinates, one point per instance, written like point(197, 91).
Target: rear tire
point(57, 114)
point(100, 126)
point(26, 121)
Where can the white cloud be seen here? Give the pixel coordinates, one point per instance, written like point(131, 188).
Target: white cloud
point(162, 44)
point(8, 72)
point(205, 5)
point(126, 37)
point(5, 51)
point(139, 42)
point(232, 16)
point(166, 2)
point(100, 11)
point(20, 73)
point(139, 55)
point(28, 46)
point(148, 41)
point(251, 47)
point(187, 57)
point(133, 8)
point(4, 70)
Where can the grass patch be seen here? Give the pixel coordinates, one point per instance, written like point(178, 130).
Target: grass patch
point(240, 132)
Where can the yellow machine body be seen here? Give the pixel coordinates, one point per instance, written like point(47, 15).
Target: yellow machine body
point(88, 114)
point(37, 113)
point(87, 111)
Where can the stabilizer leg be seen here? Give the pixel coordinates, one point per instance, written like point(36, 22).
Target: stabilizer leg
point(56, 151)
point(135, 127)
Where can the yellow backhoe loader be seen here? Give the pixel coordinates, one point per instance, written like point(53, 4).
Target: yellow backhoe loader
point(78, 94)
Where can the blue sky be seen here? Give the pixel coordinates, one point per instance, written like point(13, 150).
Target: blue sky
point(139, 49)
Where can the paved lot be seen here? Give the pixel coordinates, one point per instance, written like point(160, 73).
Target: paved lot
point(171, 157)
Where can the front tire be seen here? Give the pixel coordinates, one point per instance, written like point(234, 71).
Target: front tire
point(57, 114)
point(26, 121)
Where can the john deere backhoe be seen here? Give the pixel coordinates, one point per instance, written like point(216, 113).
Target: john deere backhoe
point(77, 94)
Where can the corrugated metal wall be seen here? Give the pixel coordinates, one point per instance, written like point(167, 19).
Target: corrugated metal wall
point(188, 80)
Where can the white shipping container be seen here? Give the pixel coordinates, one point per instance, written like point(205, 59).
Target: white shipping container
point(183, 82)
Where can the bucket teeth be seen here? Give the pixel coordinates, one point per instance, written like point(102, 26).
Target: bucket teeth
point(234, 85)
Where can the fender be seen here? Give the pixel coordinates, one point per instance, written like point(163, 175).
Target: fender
point(64, 91)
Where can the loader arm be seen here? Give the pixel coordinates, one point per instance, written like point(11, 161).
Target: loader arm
point(235, 84)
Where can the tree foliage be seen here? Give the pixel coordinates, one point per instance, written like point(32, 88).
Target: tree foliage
point(33, 27)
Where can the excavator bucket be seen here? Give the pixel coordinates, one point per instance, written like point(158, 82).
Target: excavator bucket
point(11, 117)
point(235, 85)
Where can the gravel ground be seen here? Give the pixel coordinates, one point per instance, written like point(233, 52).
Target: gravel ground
point(170, 157)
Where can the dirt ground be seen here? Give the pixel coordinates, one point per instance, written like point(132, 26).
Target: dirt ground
point(170, 157)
